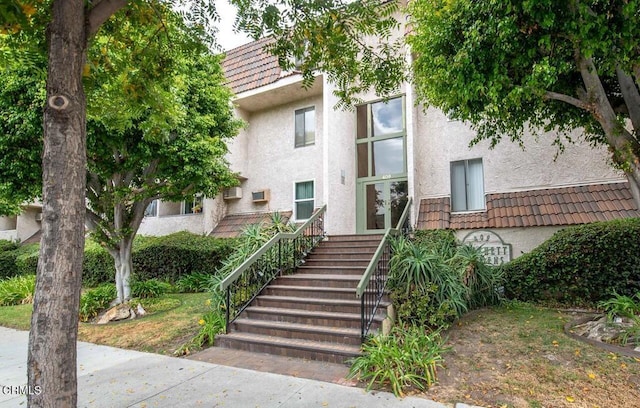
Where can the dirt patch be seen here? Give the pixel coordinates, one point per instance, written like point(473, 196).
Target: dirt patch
point(519, 356)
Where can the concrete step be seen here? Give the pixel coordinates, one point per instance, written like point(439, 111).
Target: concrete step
point(330, 269)
point(306, 303)
point(309, 349)
point(316, 318)
point(311, 291)
point(339, 256)
point(321, 280)
point(351, 238)
point(352, 261)
point(297, 331)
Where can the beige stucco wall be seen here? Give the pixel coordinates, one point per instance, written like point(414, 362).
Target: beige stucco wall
point(522, 240)
point(506, 167)
point(271, 161)
point(165, 225)
point(27, 224)
point(8, 223)
point(8, 229)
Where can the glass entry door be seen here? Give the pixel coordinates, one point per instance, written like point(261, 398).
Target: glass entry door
point(381, 165)
point(382, 204)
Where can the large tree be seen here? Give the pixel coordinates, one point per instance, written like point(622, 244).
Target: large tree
point(157, 118)
point(508, 65)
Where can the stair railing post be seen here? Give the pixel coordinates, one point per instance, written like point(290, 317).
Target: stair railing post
point(228, 311)
point(280, 257)
point(362, 319)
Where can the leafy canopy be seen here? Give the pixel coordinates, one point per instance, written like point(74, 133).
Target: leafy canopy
point(158, 116)
point(501, 64)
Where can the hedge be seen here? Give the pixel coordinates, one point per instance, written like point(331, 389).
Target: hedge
point(170, 257)
point(579, 265)
point(6, 245)
point(164, 258)
point(20, 261)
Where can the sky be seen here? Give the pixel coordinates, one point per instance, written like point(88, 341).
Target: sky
point(226, 37)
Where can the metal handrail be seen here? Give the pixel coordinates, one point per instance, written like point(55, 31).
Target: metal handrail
point(233, 276)
point(364, 281)
point(373, 290)
point(281, 254)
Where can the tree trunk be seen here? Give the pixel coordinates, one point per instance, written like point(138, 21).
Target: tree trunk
point(54, 323)
point(124, 265)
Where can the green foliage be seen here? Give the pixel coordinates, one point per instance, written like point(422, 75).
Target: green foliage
point(6, 245)
point(507, 66)
point(170, 257)
point(95, 300)
point(8, 266)
point(421, 308)
point(433, 280)
point(252, 238)
point(194, 282)
point(406, 358)
point(17, 290)
point(621, 306)
point(97, 266)
point(579, 265)
point(149, 288)
point(21, 261)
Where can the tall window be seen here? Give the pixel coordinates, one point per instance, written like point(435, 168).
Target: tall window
point(304, 200)
point(467, 185)
point(305, 127)
point(380, 139)
point(152, 209)
point(193, 206)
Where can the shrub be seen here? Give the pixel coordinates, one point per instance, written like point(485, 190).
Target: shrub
point(20, 261)
point(170, 257)
point(6, 245)
point(17, 290)
point(407, 357)
point(194, 282)
point(93, 301)
point(421, 308)
point(579, 265)
point(8, 266)
point(150, 288)
point(98, 266)
point(621, 306)
point(27, 259)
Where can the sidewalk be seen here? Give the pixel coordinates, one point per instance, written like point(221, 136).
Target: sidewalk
point(110, 377)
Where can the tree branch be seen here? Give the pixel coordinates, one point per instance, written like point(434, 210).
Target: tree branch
point(631, 97)
point(568, 99)
point(100, 12)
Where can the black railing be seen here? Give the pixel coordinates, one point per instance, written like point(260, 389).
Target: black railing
point(281, 255)
point(371, 287)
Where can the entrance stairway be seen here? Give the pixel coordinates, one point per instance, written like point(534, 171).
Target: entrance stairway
point(313, 313)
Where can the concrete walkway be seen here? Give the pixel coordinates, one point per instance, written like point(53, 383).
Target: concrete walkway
point(110, 377)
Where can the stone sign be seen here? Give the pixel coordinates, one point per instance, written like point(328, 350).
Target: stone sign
point(494, 250)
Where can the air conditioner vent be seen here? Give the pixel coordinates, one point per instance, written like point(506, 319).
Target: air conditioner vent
point(261, 196)
point(232, 193)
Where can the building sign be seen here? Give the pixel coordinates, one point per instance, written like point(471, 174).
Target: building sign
point(494, 250)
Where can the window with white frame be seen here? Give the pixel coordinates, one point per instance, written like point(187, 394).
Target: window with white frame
point(304, 200)
point(193, 206)
point(305, 127)
point(152, 209)
point(467, 185)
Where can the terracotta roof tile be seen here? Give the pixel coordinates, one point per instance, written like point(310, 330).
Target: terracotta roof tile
point(548, 207)
point(232, 225)
point(250, 66)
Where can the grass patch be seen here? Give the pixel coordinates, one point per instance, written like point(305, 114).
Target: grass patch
point(16, 317)
point(172, 320)
point(517, 355)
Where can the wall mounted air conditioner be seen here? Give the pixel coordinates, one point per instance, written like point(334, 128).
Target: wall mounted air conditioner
point(261, 196)
point(232, 193)
point(39, 217)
